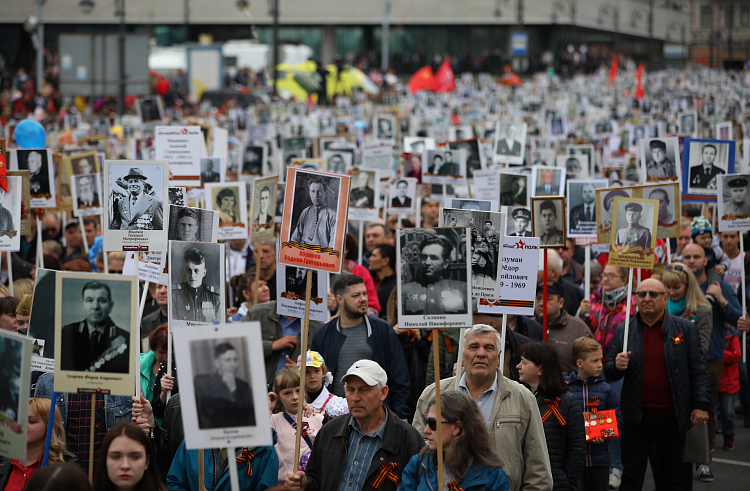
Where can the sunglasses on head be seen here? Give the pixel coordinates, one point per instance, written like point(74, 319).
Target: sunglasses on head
point(674, 267)
point(650, 294)
point(432, 423)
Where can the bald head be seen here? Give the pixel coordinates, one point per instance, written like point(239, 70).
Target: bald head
point(651, 284)
point(694, 256)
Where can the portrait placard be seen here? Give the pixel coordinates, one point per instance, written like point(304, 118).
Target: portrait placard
point(95, 341)
point(688, 124)
point(377, 156)
point(15, 373)
point(460, 132)
point(10, 214)
point(193, 224)
point(487, 184)
point(514, 189)
point(548, 220)
point(487, 229)
point(518, 221)
point(364, 197)
point(87, 192)
point(182, 147)
point(475, 159)
point(734, 202)
point(660, 160)
point(150, 109)
point(472, 204)
point(25, 227)
point(135, 217)
point(667, 217)
point(177, 196)
point(212, 169)
point(605, 200)
point(510, 139)
point(42, 320)
point(196, 283)
point(230, 200)
point(253, 160)
point(263, 211)
point(706, 161)
point(223, 388)
point(290, 292)
point(444, 166)
point(310, 164)
point(434, 271)
point(547, 181)
point(418, 144)
point(82, 163)
point(314, 220)
point(576, 166)
point(337, 161)
point(280, 189)
point(582, 206)
point(518, 279)
point(632, 245)
point(723, 131)
point(385, 128)
point(38, 162)
point(402, 196)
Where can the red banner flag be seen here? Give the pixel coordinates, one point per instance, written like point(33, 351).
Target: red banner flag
point(444, 80)
point(639, 93)
point(422, 80)
point(3, 175)
point(613, 71)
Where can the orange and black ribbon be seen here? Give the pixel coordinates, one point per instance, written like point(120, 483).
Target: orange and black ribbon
point(594, 404)
point(452, 486)
point(448, 343)
point(304, 247)
point(246, 458)
point(553, 405)
point(387, 471)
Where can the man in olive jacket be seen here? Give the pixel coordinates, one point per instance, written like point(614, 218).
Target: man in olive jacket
point(275, 342)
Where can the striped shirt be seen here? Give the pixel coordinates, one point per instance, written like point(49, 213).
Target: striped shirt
point(362, 449)
point(355, 348)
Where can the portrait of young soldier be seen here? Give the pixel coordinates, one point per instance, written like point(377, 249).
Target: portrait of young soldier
point(193, 299)
point(633, 235)
point(187, 226)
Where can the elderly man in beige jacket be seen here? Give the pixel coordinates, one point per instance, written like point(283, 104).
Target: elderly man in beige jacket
point(509, 409)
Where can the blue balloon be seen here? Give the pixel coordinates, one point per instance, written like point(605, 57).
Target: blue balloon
point(30, 134)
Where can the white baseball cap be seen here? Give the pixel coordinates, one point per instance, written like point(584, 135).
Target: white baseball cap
point(369, 371)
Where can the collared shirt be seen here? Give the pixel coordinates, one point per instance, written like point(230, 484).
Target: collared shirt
point(485, 401)
point(288, 328)
point(320, 231)
point(362, 449)
point(20, 475)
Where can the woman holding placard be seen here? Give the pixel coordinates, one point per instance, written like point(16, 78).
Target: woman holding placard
point(127, 461)
point(469, 461)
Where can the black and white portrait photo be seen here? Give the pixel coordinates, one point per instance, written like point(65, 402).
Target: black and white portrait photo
point(150, 109)
point(460, 132)
point(548, 220)
point(87, 191)
point(294, 144)
point(315, 209)
point(443, 166)
point(210, 169)
point(402, 196)
point(136, 196)
point(514, 189)
point(280, 188)
point(337, 162)
point(85, 163)
point(418, 144)
point(707, 161)
point(661, 158)
point(632, 225)
point(230, 200)
point(582, 207)
point(434, 266)
point(556, 127)
point(668, 196)
point(605, 210)
point(41, 175)
point(363, 202)
point(176, 196)
point(264, 209)
point(688, 123)
point(576, 166)
point(548, 181)
point(196, 277)
point(723, 130)
point(510, 139)
point(291, 289)
point(385, 127)
point(486, 230)
point(471, 204)
point(10, 214)
point(193, 224)
point(474, 157)
point(252, 160)
point(519, 221)
point(223, 392)
point(15, 375)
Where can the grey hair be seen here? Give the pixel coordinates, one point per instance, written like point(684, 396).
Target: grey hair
point(484, 329)
point(554, 260)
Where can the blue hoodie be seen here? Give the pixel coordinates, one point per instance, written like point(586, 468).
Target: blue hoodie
point(597, 454)
point(478, 477)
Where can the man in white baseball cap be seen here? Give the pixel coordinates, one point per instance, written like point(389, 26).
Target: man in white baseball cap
point(379, 444)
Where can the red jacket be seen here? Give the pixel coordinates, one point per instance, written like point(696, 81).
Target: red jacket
point(730, 375)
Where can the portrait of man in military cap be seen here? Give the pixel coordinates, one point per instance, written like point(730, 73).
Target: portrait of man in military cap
point(662, 158)
point(195, 272)
point(608, 200)
point(633, 237)
point(548, 220)
point(520, 220)
point(192, 224)
point(737, 203)
point(135, 199)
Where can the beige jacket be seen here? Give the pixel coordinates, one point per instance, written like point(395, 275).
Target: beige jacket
point(516, 429)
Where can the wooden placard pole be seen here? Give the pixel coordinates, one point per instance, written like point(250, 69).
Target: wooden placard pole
point(201, 470)
point(303, 365)
point(39, 247)
point(544, 300)
point(743, 295)
point(234, 478)
point(627, 311)
point(360, 242)
point(91, 437)
point(587, 274)
point(258, 252)
point(141, 306)
point(438, 412)
point(461, 348)
point(10, 273)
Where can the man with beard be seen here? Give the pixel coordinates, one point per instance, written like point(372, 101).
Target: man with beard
point(356, 336)
point(317, 223)
point(432, 293)
point(87, 195)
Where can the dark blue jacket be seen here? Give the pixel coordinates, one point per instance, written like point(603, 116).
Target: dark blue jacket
point(566, 444)
point(730, 314)
point(386, 351)
point(478, 476)
point(597, 454)
point(686, 369)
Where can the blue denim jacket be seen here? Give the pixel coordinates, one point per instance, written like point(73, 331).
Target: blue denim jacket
point(117, 408)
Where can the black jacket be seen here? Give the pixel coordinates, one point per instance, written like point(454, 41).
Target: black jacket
point(686, 369)
point(566, 444)
point(529, 328)
point(169, 436)
point(6, 468)
point(327, 463)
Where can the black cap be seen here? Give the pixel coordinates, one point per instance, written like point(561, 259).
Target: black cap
point(737, 182)
point(552, 287)
point(634, 207)
point(521, 213)
point(657, 144)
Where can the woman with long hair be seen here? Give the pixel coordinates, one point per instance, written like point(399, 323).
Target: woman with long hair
point(469, 461)
point(127, 461)
point(686, 300)
point(15, 474)
point(8, 307)
point(561, 413)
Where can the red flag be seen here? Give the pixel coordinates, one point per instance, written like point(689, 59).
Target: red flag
point(613, 71)
point(639, 93)
point(3, 178)
point(444, 80)
point(422, 80)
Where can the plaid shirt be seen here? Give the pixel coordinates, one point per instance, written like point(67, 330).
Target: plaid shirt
point(78, 429)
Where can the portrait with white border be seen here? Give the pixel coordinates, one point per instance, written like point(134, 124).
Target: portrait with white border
point(402, 196)
point(87, 192)
point(15, 374)
point(193, 224)
point(10, 214)
point(39, 163)
point(230, 200)
point(363, 201)
point(734, 202)
point(660, 160)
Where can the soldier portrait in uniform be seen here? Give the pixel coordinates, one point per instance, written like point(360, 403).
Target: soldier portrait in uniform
point(417, 144)
point(252, 160)
point(10, 214)
point(362, 194)
point(433, 269)
point(582, 207)
point(209, 168)
point(662, 159)
point(519, 221)
point(384, 130)
point(86, 194)
point(41, 178)
point(135, 198)
point(630, 234)
point(510, 139)
point(264, 206)
point(195, 275)
point(548, 181)
point(514, 189)
point(96, 320)
point(192, 224)
point(315, 209)
point(223, 393)
point(474, 156)
point(707, 161)
point(548, 220)
point(735, 198)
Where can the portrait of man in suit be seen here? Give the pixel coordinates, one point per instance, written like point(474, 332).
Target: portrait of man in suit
point(362, 196)
point(704, 174)
point(401, 200)
point(449, 167)
point(209, 173)
point(513, 190)
point(264, 218)
point(95, 344)
point(583, 216)
point(547, 187)
point(137, 210)
point(509, 143)
point(86, 191)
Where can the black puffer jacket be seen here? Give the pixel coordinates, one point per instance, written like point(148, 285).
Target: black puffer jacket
point(566, 443)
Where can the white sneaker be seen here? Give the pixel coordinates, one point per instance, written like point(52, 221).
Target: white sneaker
point(615, 476)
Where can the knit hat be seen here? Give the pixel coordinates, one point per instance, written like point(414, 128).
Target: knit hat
point(699, 225)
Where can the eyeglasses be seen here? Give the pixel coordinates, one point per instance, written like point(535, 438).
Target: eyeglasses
point(650, 294)
point(432, 423)
point(609, 276)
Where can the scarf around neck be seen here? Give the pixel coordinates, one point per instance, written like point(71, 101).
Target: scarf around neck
point(613, 297)
point(678, 307)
